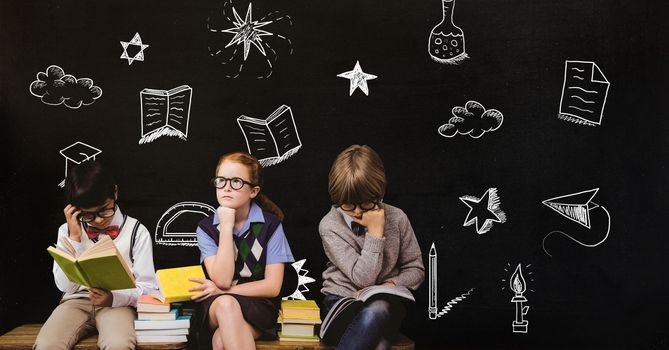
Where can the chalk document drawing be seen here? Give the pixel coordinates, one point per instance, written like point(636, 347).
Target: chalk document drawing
point(302, 280)
point(432, 291)
point(165, 113)
point(134, 43)
point(246, 32)
point(518, 286)
point(447, 41)
point(576, 207)
point(358, 79)
point(473, 120)
point(584, 93)
point(166, 237)
point(77, 153)
point(54, 87)
point(484, 211)
point(271, 140)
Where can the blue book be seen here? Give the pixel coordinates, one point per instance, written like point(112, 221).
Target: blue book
point(182, 322)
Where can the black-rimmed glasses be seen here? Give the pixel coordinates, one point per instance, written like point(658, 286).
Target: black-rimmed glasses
point(235, 182)
point(88, 216)
point(364, 206)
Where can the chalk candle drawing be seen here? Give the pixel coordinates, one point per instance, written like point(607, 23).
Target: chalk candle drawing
point(136, 41)
point(584, 93)
point(77, 153)
point(488, 207)
point(473, 120)
point(165, 113)
point(302, 280)
point(247, 32)
point(54, 87)
point(518, 286)
point(447, 41)
point(432, 296)
point(271, 140)
point(164, 236)
point(576, 207)
point(357, 79)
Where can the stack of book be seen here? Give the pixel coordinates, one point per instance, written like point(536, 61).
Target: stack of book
point(160, 322)
point(298, 319)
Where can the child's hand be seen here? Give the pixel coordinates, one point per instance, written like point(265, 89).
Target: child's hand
point(71, 215)
point(207, 287)
point(374, 220)
point(100, 297)
point(226, 218)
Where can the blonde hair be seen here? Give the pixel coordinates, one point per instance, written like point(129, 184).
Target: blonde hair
point(252, 164)
point(357, 175)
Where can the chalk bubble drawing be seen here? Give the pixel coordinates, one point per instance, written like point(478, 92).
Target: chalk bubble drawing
point(271, 140)
point(184, 235)
point(357, 79)
point(165, 113)
point(54, 87)
point(518, 286)
point(584, 93)
point(447, 41)
point(473, 120)
point(77, 153)
point(576, 207)
point(302, 280)
point(484, 211)
point(134, 43)
point(246, 32)
point(432, 290)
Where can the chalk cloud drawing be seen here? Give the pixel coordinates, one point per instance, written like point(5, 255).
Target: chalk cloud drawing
point(134, 43)
point(357, 79)
point(518, 286)
point(77, 153)
point(302, 280)
point(54, 87)
point(248, 32)
point(584, 93)
point(165, 113)
point(432, 290)
point(164, 236)
point(484, 211)
point(576, 207)
point(271, 140)
point(473, 120)
point(447, 41)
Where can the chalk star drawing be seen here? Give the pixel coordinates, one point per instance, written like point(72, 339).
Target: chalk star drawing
point(247, 31)
point(302, 280)
point(136, 41)
point(358, 79)
point(485, 210)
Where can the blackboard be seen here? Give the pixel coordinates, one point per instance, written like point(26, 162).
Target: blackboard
point(519, 60)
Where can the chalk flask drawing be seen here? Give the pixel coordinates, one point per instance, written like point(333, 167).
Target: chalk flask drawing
point(447, 41)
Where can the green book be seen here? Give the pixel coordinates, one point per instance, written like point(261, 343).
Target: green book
point(100, 266)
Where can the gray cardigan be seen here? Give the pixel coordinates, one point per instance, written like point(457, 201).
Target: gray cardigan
point(356, 262)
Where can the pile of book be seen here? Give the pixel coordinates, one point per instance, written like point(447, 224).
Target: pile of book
point(161, 322)
point(298, 319)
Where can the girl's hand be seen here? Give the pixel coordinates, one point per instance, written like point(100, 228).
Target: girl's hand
point(207, 287)
point(100, 297)
point(226, 218)
point(374, 220)
point(71, 215)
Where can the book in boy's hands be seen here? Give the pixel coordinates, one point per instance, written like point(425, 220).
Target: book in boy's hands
point(174, 283)
point(273, 139)
point(100, 266)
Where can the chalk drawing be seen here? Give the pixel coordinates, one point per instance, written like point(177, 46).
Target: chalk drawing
point(432, 290)
point(473, 120)
point(77, 153)
point(165, 236)
point(271, 140)
point(54, 87)
point(135, 42)
point(302, 280)
point(357, 79)
point(447, 41)
point(484, 211)
point(584, 93)
point(165, 113)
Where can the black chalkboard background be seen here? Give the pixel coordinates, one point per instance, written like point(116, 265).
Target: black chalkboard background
point(610, 295)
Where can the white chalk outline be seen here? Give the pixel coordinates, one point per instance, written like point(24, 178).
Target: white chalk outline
point(167, 96)
point(186, 239)
point(493, 207)
point(357, 79)
point(432, 289)
point(136, 41)
point(519, 324)
point(456, 118)
point(594, 70)
point(455, 60)
point(86, 81)
point(95, 152)
point(262, 129)
point(302, 280)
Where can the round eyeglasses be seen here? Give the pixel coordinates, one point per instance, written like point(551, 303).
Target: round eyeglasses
point(364, 206)
point(88, 216)
point(236, 183)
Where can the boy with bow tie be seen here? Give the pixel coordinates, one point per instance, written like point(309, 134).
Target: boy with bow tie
point(91, 213)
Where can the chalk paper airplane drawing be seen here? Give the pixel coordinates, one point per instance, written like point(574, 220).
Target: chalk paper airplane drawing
point(584, 93)
point(135, 44)
point(473, 120)
point(357, 79)
point(165, 113)
point(576, 207)
point(302, 280)
point(271, 140)
point(77, 153)
point(432, 290)
point(54, 87)
point(447, 41)
point(484, 211)
point(233, 53)
point(176, 226)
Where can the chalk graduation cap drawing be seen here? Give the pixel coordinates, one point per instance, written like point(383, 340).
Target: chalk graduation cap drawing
point(77, 153)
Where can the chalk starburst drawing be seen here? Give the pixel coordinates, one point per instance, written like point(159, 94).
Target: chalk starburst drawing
point(302, 280)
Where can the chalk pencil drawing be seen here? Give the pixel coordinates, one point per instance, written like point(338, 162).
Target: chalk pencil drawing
point(447, 41)
point(302, 280)
point(77, 153)
point(484, 211)
point(134, 44)
point(518, 286)
point(183, 217)
point(54, 88)
point(576, 207)
point(165, 113)
point(271, 140)
point(432, 289)
point(357, 79)
point(584, 93)
point(234, 53)
point(473, 120)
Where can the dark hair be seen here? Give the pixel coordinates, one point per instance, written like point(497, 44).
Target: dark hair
point(89, 184)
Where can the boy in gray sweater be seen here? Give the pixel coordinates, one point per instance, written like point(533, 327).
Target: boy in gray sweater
point(367, 243)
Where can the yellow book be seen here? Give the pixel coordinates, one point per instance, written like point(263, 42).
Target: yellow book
point(300, 309)
point(174, 283)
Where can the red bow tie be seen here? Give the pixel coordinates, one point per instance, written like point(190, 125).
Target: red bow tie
point(111, 231)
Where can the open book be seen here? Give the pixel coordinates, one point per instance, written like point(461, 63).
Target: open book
point(343, 311)
point(273, 139)
point(165, 113)
point(99, 266)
